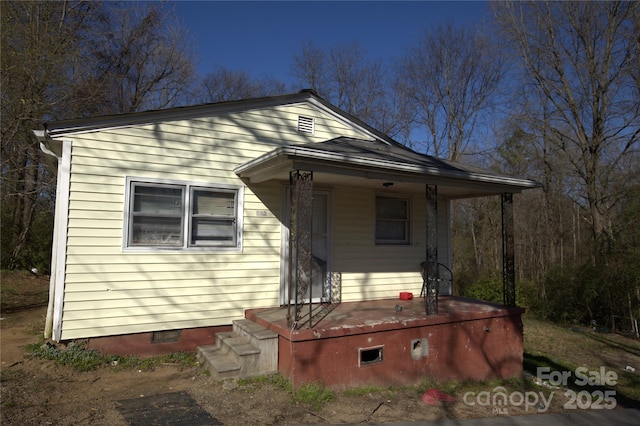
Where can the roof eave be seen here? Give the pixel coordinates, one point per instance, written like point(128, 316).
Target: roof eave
point(148, 117)
point(47, 145)
point(276, 159)
point(82, 125)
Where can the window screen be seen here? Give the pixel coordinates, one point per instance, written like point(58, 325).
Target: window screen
point(182, 216)
point(392, 220)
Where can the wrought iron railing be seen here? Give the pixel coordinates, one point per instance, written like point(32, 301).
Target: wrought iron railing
point(305, 312)
point(433, 276)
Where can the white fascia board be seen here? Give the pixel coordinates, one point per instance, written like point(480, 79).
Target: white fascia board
point(346, 121)
point(307, 153)
point(118, 121)
point(259, 161)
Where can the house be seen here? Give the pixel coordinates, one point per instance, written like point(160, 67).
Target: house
point(186, 227)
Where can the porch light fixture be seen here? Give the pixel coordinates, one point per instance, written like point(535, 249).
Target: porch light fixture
point(387, 184)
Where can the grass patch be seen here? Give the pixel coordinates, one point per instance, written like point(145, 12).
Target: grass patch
point(78, 357)
point(22, 289)
point(314, 394)
point(446, 387)
point(275, 380)
point(567, 348)
point(364, 391)
point(75, 356)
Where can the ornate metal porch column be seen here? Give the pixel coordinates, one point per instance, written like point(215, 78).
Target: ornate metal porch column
point(508, 257)
point(430, 274)
point(299, 243)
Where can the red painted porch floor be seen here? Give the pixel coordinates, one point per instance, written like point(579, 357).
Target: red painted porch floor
point(351, 318)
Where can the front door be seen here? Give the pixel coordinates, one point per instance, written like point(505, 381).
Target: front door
point(320, 249)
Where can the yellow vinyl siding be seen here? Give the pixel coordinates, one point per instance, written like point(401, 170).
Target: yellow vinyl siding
point(158, 320)
point(131, 304)
point(371, 271)
point(108, 291)
point(159, 288)
point(160, 272)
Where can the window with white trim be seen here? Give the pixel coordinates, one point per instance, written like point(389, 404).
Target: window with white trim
point(182, 215)
point(392, 220)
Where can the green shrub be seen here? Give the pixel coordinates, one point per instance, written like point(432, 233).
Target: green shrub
point(486, 288)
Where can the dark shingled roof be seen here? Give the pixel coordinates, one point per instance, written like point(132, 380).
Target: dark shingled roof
point(376, 150)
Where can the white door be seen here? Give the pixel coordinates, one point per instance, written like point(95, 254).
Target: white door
point(320, 248)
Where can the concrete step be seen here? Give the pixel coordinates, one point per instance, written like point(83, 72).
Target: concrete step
point(262, 338)
point(253, 331)
point(220, 365)
point(249, 350)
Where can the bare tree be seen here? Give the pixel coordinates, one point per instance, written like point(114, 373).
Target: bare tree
point(142, 59)
point(39, 48)
point(227, 85)
point(449, 77)
point(311, 67)
point(63, 59)
point(582, 60)
point(347, 78)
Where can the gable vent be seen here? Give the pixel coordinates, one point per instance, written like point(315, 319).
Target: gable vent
point(305, 125)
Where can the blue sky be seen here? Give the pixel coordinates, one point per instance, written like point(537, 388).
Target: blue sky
point(262, 37)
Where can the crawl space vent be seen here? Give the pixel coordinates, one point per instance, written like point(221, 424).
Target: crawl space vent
point(165, 336)
point(305, 125)
point(370, 355)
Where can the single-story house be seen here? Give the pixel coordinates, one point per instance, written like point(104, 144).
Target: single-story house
point(282, 217)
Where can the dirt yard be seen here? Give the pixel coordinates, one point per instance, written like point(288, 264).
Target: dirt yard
point(40, 392)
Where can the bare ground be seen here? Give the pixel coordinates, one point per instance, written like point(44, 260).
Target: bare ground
point(39, 392)
point(36, 391)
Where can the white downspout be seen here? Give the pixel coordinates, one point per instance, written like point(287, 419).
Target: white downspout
point(53, 322)
point(48, 324)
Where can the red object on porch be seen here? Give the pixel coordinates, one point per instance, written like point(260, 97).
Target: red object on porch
point(406, 295)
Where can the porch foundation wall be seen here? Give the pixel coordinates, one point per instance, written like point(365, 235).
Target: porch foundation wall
point(472, 349)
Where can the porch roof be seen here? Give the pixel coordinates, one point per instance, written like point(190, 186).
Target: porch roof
point(373, 163)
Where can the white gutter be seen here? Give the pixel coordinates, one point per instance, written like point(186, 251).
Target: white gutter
point(53, 322)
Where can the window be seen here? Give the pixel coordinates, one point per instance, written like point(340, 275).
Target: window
point(392, 220)
point(156, 216)
point(182, 216)
point(213, 217)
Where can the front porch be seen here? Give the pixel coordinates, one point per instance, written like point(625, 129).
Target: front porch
point(392, 342)
point(389, 216)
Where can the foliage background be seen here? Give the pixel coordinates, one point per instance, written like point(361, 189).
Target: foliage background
point(551, 92)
